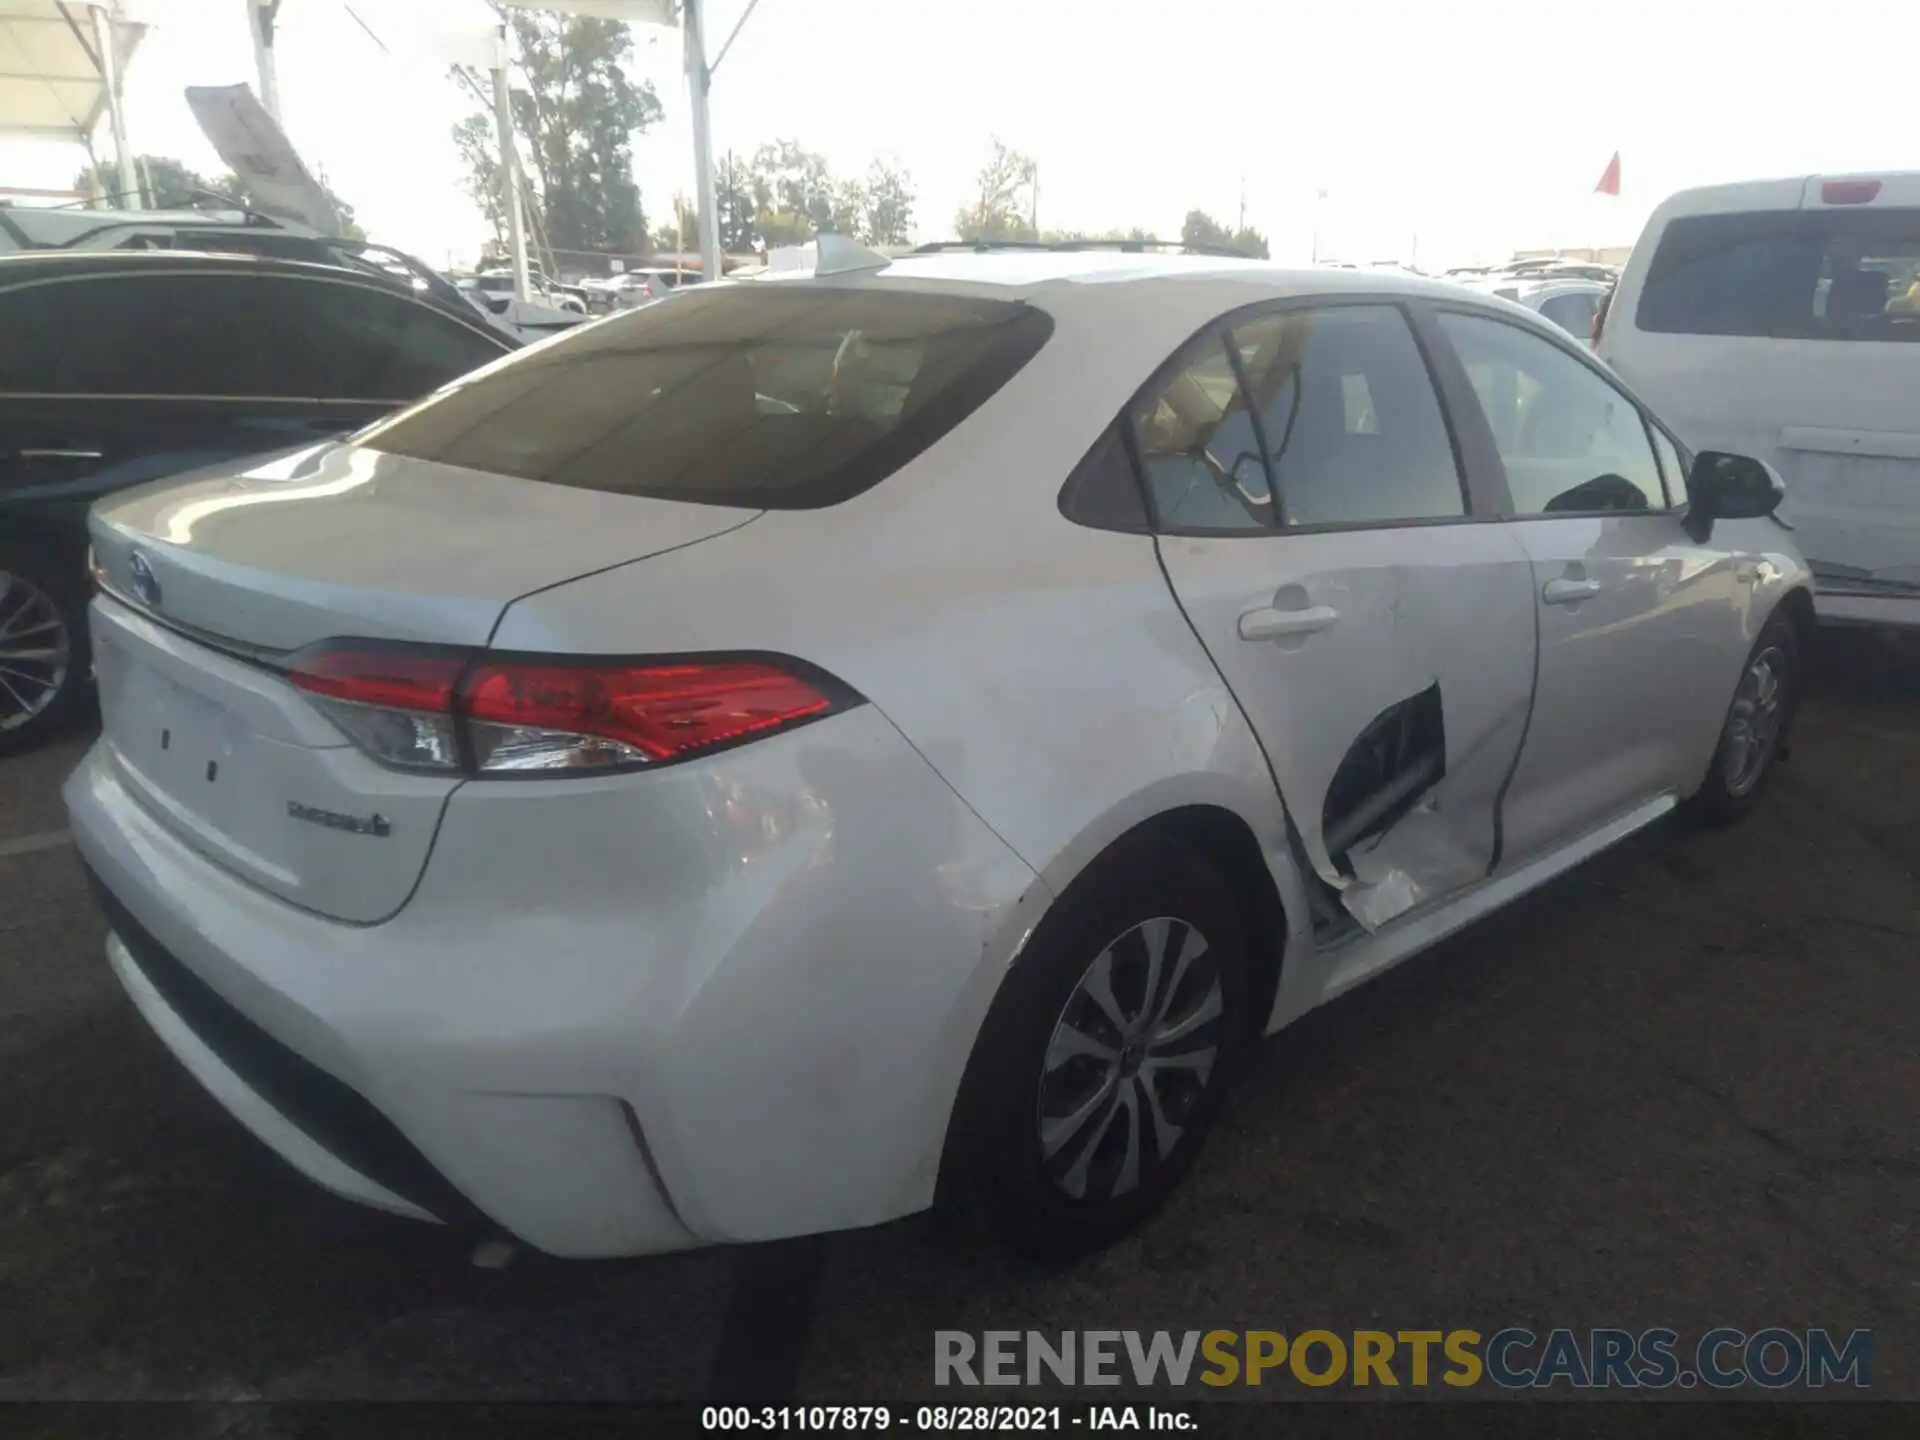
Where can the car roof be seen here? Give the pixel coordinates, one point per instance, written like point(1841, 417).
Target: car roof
point(1031, 274)
point(50, 264)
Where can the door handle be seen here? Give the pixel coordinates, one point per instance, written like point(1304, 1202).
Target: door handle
point(1569, 592)
point(1267, 623)
point(62, 455)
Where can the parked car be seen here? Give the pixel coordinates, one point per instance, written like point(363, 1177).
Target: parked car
point(231, 231)
point(808, 748)
point(1570, 304)
point(119, 367)
point(1780, 318)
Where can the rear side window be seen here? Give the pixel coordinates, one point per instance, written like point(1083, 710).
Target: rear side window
point(1789, 275)
point(765, 395)
point(358, 343)
point(1351, 420)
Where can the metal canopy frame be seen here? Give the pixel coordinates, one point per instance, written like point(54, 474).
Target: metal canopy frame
point(60, 62)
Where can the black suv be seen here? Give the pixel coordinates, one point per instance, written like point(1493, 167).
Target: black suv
point(118, 367)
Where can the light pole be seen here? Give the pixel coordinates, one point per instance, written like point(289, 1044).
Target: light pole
point(699, 84)
point(261, 15)
point(509, 169)
point(105, 43)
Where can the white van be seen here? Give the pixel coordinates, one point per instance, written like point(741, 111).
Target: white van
point(1781, 319)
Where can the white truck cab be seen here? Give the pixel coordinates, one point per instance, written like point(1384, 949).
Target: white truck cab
point(1781, 319)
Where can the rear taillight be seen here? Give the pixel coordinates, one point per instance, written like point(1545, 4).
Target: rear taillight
point(1849, 192)
point(456, 711)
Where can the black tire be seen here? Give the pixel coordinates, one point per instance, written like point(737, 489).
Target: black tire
point(1734, 781)
point(33, 576)
point(996, 1167)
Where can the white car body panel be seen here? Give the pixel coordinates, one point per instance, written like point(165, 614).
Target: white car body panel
point(733, 998)
point(1835, 417)
point(1407, 609)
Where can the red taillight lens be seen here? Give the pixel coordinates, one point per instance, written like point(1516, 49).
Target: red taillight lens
point(536, 716)
point(429, 708)
point(396, 677)
point(1849, 192)
point(394, 701)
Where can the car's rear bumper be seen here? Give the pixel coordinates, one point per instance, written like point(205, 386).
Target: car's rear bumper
point(595, 1042)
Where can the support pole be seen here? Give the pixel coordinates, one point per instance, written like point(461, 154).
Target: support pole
point(510, 170)
point(103, 41)
point(261, 15)
point(699, 83)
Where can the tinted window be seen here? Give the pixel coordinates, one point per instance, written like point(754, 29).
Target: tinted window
point(1572, 313)
point(767, 395)
point(358, 343)
point(1350, 416)
point(140, 335)
point(1810, 275)
point(225, 335)
point(1570, 442)
point(1199, 451)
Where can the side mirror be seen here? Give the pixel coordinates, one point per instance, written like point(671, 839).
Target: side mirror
point(1730, 487)
point(1250, 479)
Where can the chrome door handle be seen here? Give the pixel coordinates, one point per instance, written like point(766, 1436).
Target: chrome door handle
point(1268, 623)
point(62, 455)
point(1569, 592)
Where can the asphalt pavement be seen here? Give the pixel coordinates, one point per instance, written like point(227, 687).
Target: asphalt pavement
point(1679, 1086)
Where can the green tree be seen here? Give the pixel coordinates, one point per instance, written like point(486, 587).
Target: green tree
point(735, 205)
point(576, 122)
point(788, 179)
point(175, 186)
point(1003, 204)
point(886, 205)
point(1202, 229)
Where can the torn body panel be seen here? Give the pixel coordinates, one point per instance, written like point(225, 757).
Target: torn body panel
point(1393, 712)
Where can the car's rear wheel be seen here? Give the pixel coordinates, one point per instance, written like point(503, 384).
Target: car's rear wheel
point(43, 648)
point(1105, 1057)
point(1756, 727)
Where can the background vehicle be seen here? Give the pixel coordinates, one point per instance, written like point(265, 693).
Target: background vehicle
point(809, 746)
point(1780, 318)
point(120, 367)
point(1570, 304)
point(226, 231)
point(540, 314)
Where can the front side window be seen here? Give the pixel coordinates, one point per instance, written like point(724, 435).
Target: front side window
point(765, 395)
point(1569, 441)
point(150, 334)
point(1788, 275)
point(1351, 420)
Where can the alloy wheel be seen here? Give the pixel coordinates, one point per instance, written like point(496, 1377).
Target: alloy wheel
point(1130, 1060)
point(35, 650)
point(1753, 725)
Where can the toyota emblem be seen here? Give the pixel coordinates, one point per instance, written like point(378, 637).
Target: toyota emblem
point(145, 585)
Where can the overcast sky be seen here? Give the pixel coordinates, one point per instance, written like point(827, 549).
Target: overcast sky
point(1476, 125)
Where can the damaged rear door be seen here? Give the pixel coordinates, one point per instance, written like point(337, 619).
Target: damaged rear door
point(1316, 527)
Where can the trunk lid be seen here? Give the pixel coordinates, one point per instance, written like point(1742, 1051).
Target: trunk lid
point(339, 540)
point(209, 582)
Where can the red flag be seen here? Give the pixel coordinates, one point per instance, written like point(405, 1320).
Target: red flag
point(1610, 177)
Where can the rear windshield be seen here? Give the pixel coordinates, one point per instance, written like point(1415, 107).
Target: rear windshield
point(764, 395)
point(1790, 274)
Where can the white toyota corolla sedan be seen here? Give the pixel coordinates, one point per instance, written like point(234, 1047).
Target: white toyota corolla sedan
point(767, 760)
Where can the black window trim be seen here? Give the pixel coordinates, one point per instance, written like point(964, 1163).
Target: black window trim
point(347, 279)
point(1474, 492)
point(1551, 334)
